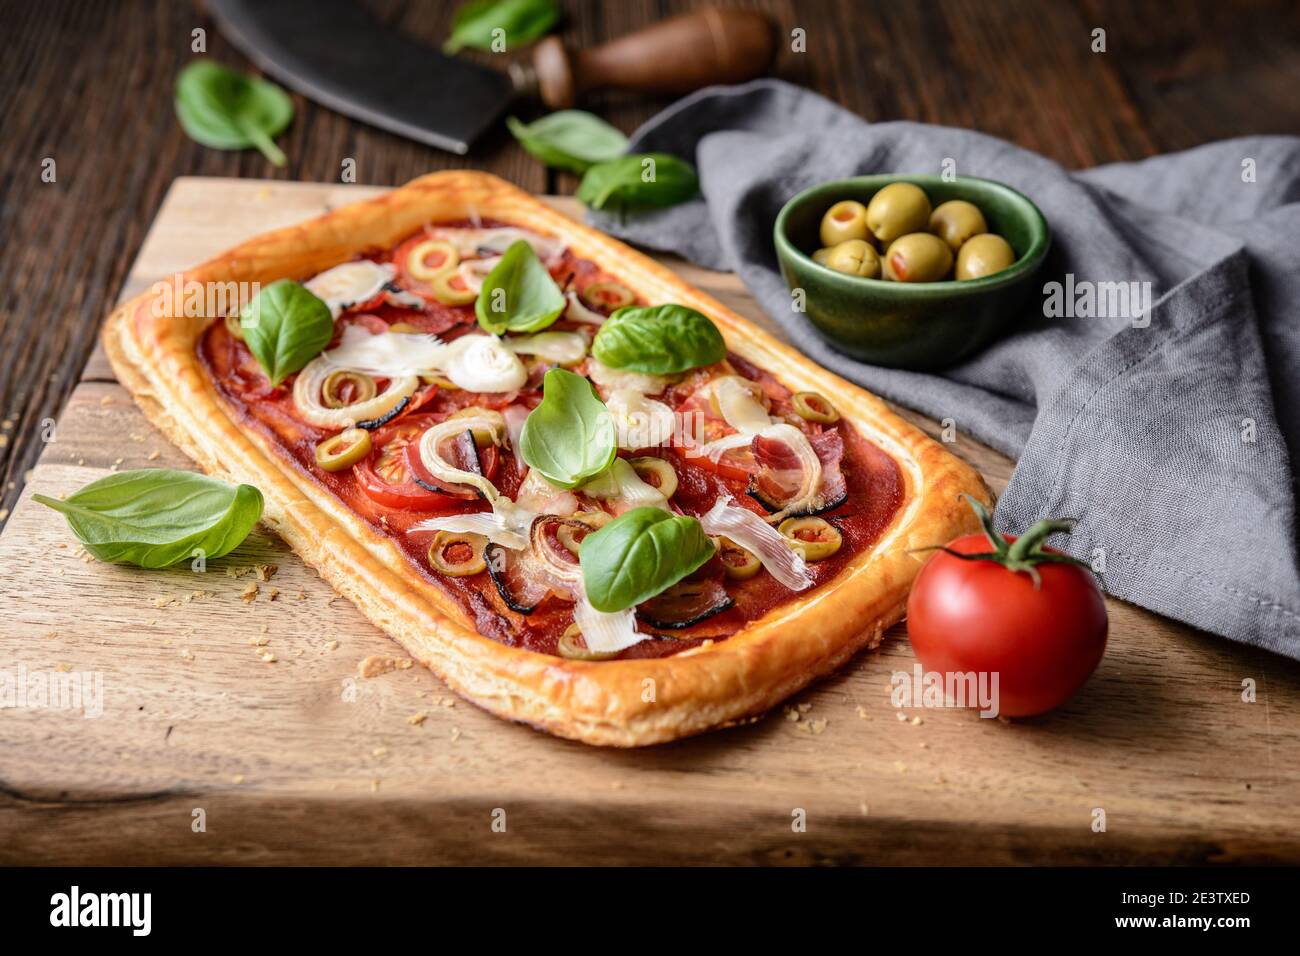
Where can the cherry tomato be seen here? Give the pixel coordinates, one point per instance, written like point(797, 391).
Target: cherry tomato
point(385, 476)
point(1043, 641)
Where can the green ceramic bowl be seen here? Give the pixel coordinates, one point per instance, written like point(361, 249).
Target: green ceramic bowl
point(922, 325)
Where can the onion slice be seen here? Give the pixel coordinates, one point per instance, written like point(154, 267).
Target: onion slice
point(495, 241)
point(307, 392)
point(562, 348)
point(754, 534)
point(492, 525)
point(386, 354)
point(577, 311)
point(623, 488)
point(640, 422)
point(442, 469)
point(515, 416)
point(482, 363)
point(610, 379)
point(349, 284)
point(606, 632)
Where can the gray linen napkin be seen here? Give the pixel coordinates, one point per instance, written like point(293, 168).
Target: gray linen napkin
point(1168, 440)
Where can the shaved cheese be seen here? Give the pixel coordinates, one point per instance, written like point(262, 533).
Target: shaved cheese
point(307, 397)
point(562, 348)
point(577, 311)
point(495, 526)
point(445, 471)
point(610, 379)
point(639, 422)
point(386, 354)
point(623, 487)
point(469, 242)
point(351, 283)
point(605, 633)
point(754, 534)
point(482, 363)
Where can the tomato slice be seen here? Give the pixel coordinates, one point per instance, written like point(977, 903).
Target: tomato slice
point(385, 476)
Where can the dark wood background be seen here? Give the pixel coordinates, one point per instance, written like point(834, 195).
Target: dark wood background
point(88, 83)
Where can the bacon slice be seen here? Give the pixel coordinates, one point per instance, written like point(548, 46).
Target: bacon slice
point(797, 474)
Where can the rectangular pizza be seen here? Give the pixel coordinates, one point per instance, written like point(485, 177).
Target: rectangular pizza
point(589, 497)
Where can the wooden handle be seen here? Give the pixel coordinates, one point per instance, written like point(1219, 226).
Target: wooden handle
point(676, 56)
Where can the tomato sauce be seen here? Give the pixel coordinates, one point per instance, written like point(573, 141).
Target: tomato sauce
point(875, 487)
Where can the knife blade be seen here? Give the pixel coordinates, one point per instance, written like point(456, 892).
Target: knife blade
point(334, 52)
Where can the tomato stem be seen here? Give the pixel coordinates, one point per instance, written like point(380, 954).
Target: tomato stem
point(1026, 552)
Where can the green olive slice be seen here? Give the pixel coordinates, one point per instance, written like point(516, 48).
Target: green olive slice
point(431, 259)
point(574, 648)
point(814, 407)
point(607, 295)
point(449, 288)
point(458, 555)
point(234, 327)
point(343, 387)
point(656, 473)
point(571, 537)
point(814, 538)
point(343, 450)
point(740, 564)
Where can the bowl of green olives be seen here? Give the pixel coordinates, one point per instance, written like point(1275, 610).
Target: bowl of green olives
point(914, 272)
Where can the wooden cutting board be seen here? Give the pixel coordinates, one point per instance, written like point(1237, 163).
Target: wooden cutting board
point(206, 753)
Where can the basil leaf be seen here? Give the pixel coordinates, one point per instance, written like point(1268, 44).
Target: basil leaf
point(518, 295)
point(638, 555)
point(285, 327)
point(523, 21)
point(221, 108)
point(569, 139)
point(155, 517)
point(640, 179)
point(569, 437)
point(658, 339)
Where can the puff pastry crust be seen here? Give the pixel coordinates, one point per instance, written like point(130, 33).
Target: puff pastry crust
point(602, 703)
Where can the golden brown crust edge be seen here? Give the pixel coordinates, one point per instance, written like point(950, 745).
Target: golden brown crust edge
point(617, 703)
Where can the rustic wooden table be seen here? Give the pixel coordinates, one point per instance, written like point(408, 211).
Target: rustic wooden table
point(298, 760)
point(88, 85)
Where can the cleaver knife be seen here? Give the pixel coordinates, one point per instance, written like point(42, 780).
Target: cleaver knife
point(336, 53)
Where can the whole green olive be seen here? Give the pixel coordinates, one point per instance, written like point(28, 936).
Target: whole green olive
point(896, 210)
point(856, 257)
point(984, 255)
point(845, 220)
point(821, 255)
point(956, 221)
point(919, 257)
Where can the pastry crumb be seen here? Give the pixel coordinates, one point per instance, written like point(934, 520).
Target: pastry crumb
point(249, 594)
point(418, 718)
point(377, 665)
